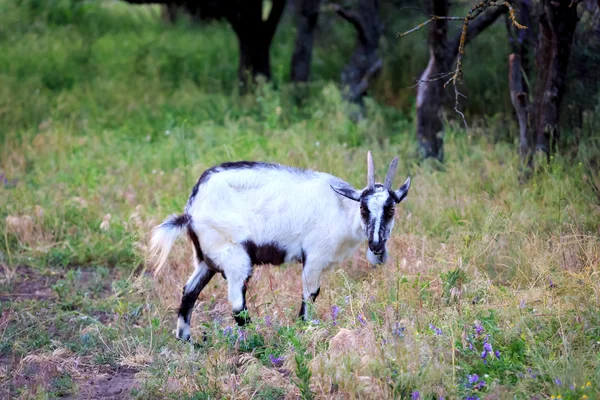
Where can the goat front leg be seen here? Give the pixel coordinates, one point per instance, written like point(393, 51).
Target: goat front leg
point(311, 285)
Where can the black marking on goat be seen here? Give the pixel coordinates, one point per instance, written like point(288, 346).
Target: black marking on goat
point(313, 297)
point(268, 253)
point(241, 316)
point(178, 221)
point(196, 242)
point(303, 253)
point(189, 299)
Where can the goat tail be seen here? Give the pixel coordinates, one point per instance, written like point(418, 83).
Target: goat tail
point(163, 237)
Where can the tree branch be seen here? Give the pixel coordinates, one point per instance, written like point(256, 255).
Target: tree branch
point(478, 25)
point(353, 18)
point(363, 85)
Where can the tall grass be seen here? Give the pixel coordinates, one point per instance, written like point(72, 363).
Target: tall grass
point(107, 120)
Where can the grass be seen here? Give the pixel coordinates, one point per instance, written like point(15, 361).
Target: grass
point(107, 120)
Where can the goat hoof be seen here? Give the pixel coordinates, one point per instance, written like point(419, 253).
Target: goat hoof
point(183, 335)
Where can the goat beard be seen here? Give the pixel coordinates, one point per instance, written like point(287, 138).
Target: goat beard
point(377, 259)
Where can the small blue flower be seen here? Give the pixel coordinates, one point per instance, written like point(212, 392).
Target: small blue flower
point(315, 322)
point(497, 354)
point(361, 319)
point(335, 310)
point(276, 361)
point(268, 320)
point(436, 330)
point(487, 347)
point(398, 330)
point(480, 385)
point(522, 304)
point(558, 382)
point(473, 379)
point(478, 328)
point(347, 299)
point(415, 395)
point(227, 331)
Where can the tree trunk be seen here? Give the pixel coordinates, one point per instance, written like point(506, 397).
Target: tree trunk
point(520, 101)
point(557, 27)
point(308, 14)
point(430, 91)
point(254, 59)
point(364, 63)
point(254, 37)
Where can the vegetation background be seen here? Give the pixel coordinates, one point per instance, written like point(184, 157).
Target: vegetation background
point(107, 118)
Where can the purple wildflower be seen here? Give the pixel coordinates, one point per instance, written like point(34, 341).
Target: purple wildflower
point(315, 322)
point(551, 283)
point(347, 299)
point(415, 395)
point(473, 379)
point(487, 346)
point(472, 398)
point(437, 330)
point(276, 361)
point(471, 346)
point(268, 320)
point(497, 354)
point(480, 385)
point(242, 335)
point(522, 304)
point(335, 310)
point(398, 330)
point(558, 382)
point(572, 387)
point(361, 319)
point(484, 355)
point(227, 331)
point(478, 328)
point(532, 373)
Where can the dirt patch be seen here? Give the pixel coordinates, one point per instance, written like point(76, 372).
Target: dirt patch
point(116, 385)
point(29, 284)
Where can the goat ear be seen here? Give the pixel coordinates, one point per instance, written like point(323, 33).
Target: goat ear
point(347, 192)
point(401, 193)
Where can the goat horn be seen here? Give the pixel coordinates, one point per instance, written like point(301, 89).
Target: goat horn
point(370, 171)
point(389, 178)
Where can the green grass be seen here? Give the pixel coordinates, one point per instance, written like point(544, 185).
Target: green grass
point(108, 118)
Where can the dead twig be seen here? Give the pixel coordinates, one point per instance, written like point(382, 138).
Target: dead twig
point(456, 74)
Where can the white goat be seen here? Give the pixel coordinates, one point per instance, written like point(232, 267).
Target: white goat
point(242, 214)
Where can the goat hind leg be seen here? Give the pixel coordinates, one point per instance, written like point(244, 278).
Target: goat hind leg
point(199, 279)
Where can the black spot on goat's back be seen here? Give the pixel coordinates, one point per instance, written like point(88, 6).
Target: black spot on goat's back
point(269, 253)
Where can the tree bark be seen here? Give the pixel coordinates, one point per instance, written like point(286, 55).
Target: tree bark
point(557, 27)
point(254, 37)
point(520, 101)
point(364, 63)
point(308, 14)
point(430, 91)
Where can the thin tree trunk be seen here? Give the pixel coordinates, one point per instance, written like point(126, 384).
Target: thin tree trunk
point(430, 92)
point(254, 37)
point(364, 63)
point(520, 101)
point(557, 27)
point(308, 14)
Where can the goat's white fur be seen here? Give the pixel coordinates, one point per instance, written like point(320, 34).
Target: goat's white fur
point(296, 210)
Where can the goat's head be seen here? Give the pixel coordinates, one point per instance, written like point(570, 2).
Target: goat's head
point(377, 207)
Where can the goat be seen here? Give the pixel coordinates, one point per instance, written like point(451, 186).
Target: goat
point(242, 214)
